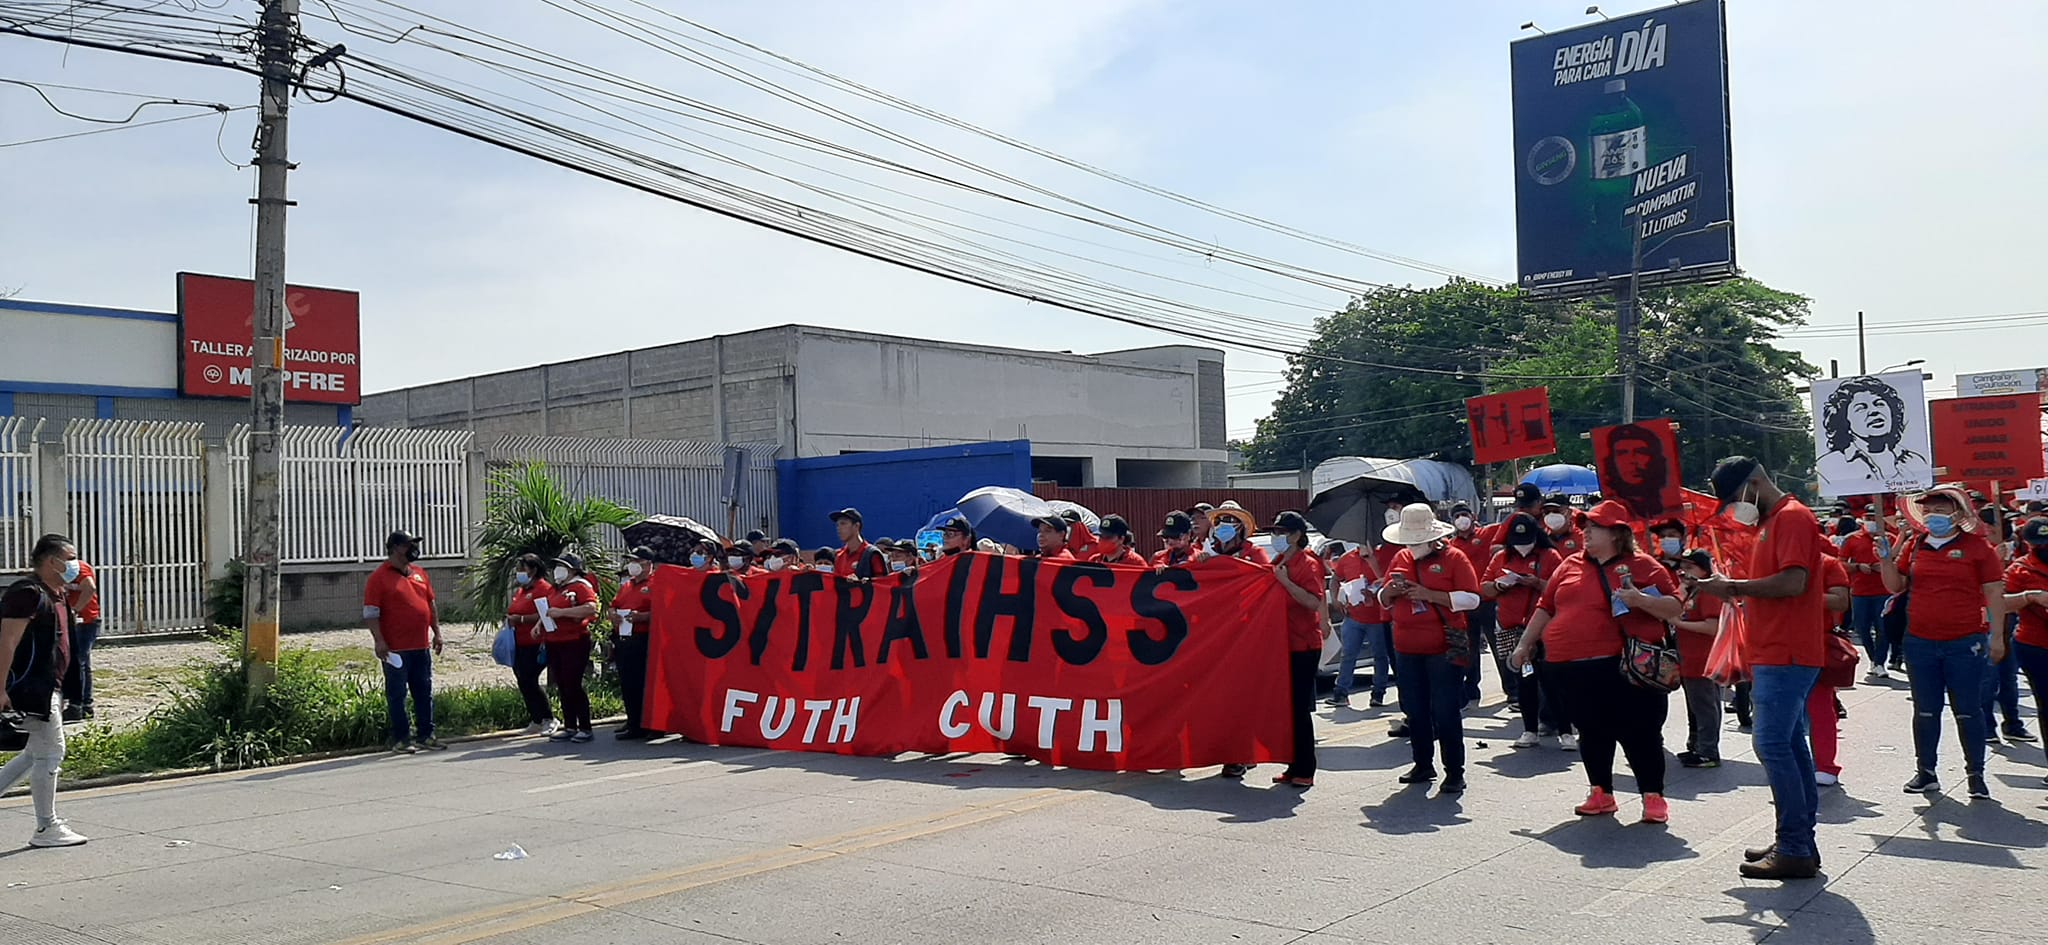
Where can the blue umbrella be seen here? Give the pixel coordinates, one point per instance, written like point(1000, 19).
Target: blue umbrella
point(1563, 478)
point(939, 521)
point(1005, 514)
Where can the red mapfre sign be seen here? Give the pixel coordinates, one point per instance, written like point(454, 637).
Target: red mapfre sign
point(322, 340)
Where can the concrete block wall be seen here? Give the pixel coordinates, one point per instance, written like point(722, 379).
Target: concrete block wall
point(331, 595)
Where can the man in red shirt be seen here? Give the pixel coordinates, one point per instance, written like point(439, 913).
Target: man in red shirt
point(1233, 527)
point(1958, 594)
point(1360, 572)
point(1113, 544)
point(1301, 574)
point(856, 558)
point(398, 606)
point(1560, 526)
point(2026, 594)
point(1785, 644)
point(1469, 541)
point(1178, 534)
point(1052, 538)
point(1862, 553)
point(633, 608)
point(84, 599)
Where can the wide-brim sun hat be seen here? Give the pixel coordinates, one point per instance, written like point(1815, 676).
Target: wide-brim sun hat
point(1966, 513)
point(1418, 526)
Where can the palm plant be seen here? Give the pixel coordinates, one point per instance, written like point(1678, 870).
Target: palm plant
point(526, 511)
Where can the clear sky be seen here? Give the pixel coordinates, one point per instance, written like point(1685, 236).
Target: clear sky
point(1889, 157)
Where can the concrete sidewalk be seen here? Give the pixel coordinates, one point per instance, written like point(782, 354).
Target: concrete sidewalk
point(674, 842)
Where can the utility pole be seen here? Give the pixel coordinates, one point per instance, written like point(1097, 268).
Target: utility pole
point(1626, 318)
point(261, 548)
point(1862, 356)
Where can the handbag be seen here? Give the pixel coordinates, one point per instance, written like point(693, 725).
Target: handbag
point(13, 731)
point(1839, 671)
point(1649, 665)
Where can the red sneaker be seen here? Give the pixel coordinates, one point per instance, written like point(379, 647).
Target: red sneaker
point(1655, 809)
point(1598, 802)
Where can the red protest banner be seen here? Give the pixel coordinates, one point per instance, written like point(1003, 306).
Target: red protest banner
point(1510, 425)
point(1074, 664)
point(1982, 440)
point(1638, 465)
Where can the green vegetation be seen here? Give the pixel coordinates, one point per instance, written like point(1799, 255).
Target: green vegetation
point(528, 512)
point(323, 700)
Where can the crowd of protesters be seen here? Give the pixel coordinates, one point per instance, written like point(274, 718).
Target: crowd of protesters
point(1591, 617)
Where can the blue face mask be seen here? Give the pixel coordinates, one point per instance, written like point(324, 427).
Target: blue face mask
point(523, 578)
point(899, 565)
point(1226, 533)
point(1671, 546)
point(698, 561)
point(1940, 526)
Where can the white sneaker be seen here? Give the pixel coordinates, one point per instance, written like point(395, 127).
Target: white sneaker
point(551, 727)
point(1877, 672)
point(534, 728)
point(1528, 740)
point(56, 833)
point(1568, 742)
point(1825, 779)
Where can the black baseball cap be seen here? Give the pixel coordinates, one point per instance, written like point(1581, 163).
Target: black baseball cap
point(570, 560)
point(401, 537)
point(957, 524)
point(1557, 499)
point(2035, 532)
point(1203, 507)
point(1699, 558)
point(757, 535)
point(785, 547)
point(1666, 524)
point(1729, 477)
point(1071, 516)
point(1523, 530)
point(852, 514)
point(1178, 525)
point(1527, 494)
point(1055, 522)
point(1113, 526)
point(641, 553)
point(1290, 522)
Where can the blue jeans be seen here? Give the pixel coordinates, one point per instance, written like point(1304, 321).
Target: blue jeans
point(1379, 637)
point(1951, 670)
point(418, 678)
point(1432, 698)
point(1350, 642)
point(2033, 661)
point(2002, 689)
point(1866, 616)
point(1778, 700)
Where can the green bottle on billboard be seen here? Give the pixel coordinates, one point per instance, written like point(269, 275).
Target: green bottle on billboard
point(1619, 147)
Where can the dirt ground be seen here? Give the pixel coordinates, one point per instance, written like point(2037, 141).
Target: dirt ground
point(130, 679)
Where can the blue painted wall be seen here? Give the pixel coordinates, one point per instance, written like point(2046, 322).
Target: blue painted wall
point(897, 491)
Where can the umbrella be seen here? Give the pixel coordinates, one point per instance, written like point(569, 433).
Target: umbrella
point(1564, 478)
point(1350, 493)
point(939, 521)
point(1005, 514)
point(670, 537)
point(1088, 516)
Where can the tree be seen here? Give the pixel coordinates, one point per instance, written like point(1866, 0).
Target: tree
point(527, 512)
point(1707, 360)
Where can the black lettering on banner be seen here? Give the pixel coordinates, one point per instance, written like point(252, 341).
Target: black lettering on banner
point(902, 623)
point(715, 645)
point(956, 600)
point(757, 642)
point(846, 625)
point(1080, 651)
point(1146, 603)
point(803, 586)
point(1020, 607)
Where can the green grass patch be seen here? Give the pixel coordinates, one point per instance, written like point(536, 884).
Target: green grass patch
point(323, 700)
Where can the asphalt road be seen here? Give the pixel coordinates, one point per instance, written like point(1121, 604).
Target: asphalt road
point(679, 843)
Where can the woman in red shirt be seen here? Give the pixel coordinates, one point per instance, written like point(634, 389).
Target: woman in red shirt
point(1514, 578)
point(1428, 592)
point(633, 605)
point(2026, 594)
point(1301, 575)
point(1598, 597)
point(529, 585)
point(1958, 593)
point(1698, 625)
point(1823, 710)
point(566, 633)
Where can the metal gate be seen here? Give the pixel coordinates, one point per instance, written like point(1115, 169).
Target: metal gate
point(137, 494)
point(20, 517)
point(345, 490)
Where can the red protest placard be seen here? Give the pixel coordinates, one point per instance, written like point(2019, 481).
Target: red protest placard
point(1074, 664)
point(1511, 425)
point(1638, 465)
point(1982, 440)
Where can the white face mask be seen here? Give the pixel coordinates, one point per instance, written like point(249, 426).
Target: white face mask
point(633, 568)
point(776, 564)
point(1462, 522)
point(1422, 551)
point(1745, 514)
point(561, 574)
point(1555, 521)
point(1871, 527)
point(1393, 516)
point(735, 562)
point(1525, 549)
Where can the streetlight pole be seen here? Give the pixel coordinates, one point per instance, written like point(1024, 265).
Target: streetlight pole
point(1628, 314)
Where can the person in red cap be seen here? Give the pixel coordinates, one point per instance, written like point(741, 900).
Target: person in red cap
point(1600, 596)
point(1958, 594)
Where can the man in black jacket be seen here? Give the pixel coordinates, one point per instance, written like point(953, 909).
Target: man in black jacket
point(35, 629)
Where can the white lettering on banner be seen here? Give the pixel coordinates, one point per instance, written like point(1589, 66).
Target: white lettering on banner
point(771, 729)
point(734, 700)
point(845, 719)
point(1110, 725)
point(988, 704)
point(239, 376)
point(948, 727)
point(817, 708)
point(1668, 172)
point(1641, 50)
point(1049, 709)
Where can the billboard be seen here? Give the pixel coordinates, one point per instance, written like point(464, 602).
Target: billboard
point(2001, 383)
point(322, 339)
point(1621, 128)
point(1509, 426)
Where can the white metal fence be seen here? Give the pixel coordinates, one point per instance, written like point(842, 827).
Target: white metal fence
point(136, 496)
point(727, 486)
point(344, 490)
point(20, 516)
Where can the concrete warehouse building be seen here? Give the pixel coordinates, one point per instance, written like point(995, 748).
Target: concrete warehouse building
point(1144, 417)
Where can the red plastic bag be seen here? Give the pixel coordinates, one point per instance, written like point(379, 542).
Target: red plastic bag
point(1727, 662)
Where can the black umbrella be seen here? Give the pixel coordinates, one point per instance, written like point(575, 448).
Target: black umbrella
point(670, 537)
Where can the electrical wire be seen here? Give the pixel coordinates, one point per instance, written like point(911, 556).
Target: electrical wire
point(110, 130)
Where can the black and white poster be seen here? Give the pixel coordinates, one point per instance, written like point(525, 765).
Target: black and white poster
point(1871, 434)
